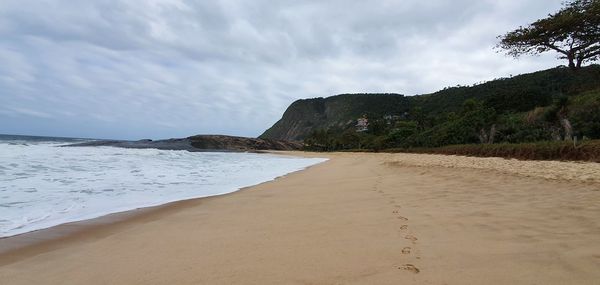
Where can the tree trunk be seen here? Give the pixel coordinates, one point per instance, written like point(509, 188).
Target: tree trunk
point(486, 138)
point(483, 138)
point(568, 128)
point(579, 62)
point(571, 62)
point(492, 134)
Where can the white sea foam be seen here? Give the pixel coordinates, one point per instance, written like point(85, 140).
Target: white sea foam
point(42, 185)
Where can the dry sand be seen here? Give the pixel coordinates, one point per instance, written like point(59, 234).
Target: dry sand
point(356, 219)
point(554, 170)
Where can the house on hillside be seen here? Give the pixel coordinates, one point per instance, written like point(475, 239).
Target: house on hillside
point(362, 124)
point(391, 119)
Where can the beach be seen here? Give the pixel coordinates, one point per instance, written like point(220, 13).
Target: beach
point(358, 218)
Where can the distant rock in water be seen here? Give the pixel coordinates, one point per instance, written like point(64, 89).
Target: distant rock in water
point(200, 143)
point(219, 142)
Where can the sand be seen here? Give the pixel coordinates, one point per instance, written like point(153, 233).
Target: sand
point(355, 219)
point(553, 170)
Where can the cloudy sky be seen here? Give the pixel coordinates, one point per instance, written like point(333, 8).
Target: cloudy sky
point(134, 69)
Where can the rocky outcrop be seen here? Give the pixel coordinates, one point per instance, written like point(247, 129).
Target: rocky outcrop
point(200, 143)
point(219, 142)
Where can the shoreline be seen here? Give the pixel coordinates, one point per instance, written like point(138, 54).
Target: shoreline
point(21, 246)
point(356, 218)
point(49, 238)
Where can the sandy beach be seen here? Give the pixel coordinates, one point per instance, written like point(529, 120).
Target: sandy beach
point(355, 219)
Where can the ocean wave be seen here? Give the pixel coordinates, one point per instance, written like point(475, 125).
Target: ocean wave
point(43, 186)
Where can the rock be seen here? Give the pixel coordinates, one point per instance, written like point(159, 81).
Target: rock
point(200, 143)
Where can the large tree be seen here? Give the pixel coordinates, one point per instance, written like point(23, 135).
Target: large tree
point(573, 32)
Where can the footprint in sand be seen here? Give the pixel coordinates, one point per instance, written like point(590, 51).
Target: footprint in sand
point(410, 267)
point(395, 211)
point(402, 218)
point(403, 227)
point(411, 238)
point(406, 250)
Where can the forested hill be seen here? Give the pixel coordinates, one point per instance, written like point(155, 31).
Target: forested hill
point(523, 108)
point(333, 113)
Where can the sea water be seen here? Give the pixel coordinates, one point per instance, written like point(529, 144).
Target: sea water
point(43, 185)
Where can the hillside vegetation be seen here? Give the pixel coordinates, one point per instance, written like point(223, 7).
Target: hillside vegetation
point(588, 150)
point(336, 114)
point(549, 105)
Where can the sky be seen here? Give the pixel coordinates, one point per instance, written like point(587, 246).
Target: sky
point(133, 69)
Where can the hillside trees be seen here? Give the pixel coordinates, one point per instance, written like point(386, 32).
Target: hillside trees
point(550, 105)
point(573, 32)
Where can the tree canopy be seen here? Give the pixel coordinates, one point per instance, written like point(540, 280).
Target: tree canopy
point(573, 32)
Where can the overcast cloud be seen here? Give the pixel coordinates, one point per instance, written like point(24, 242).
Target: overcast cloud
point(172, 68)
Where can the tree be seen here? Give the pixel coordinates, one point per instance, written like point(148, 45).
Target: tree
point(573, 32)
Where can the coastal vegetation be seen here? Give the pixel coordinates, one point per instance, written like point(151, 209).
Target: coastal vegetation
point(552, 150)
point(549, 114)
point(546, 106)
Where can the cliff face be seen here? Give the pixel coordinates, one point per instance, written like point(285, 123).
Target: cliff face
point(341, 111)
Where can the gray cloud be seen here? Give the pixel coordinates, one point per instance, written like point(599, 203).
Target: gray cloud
point(166, 68)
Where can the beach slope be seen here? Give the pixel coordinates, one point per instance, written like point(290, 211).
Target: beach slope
point(355, 219)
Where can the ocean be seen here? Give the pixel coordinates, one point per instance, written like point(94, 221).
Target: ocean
point(43, 185)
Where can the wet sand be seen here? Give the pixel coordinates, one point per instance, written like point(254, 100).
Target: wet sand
point(355, 219)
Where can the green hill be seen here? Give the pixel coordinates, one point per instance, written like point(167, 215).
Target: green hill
point(524, 108)
point(335, 112)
